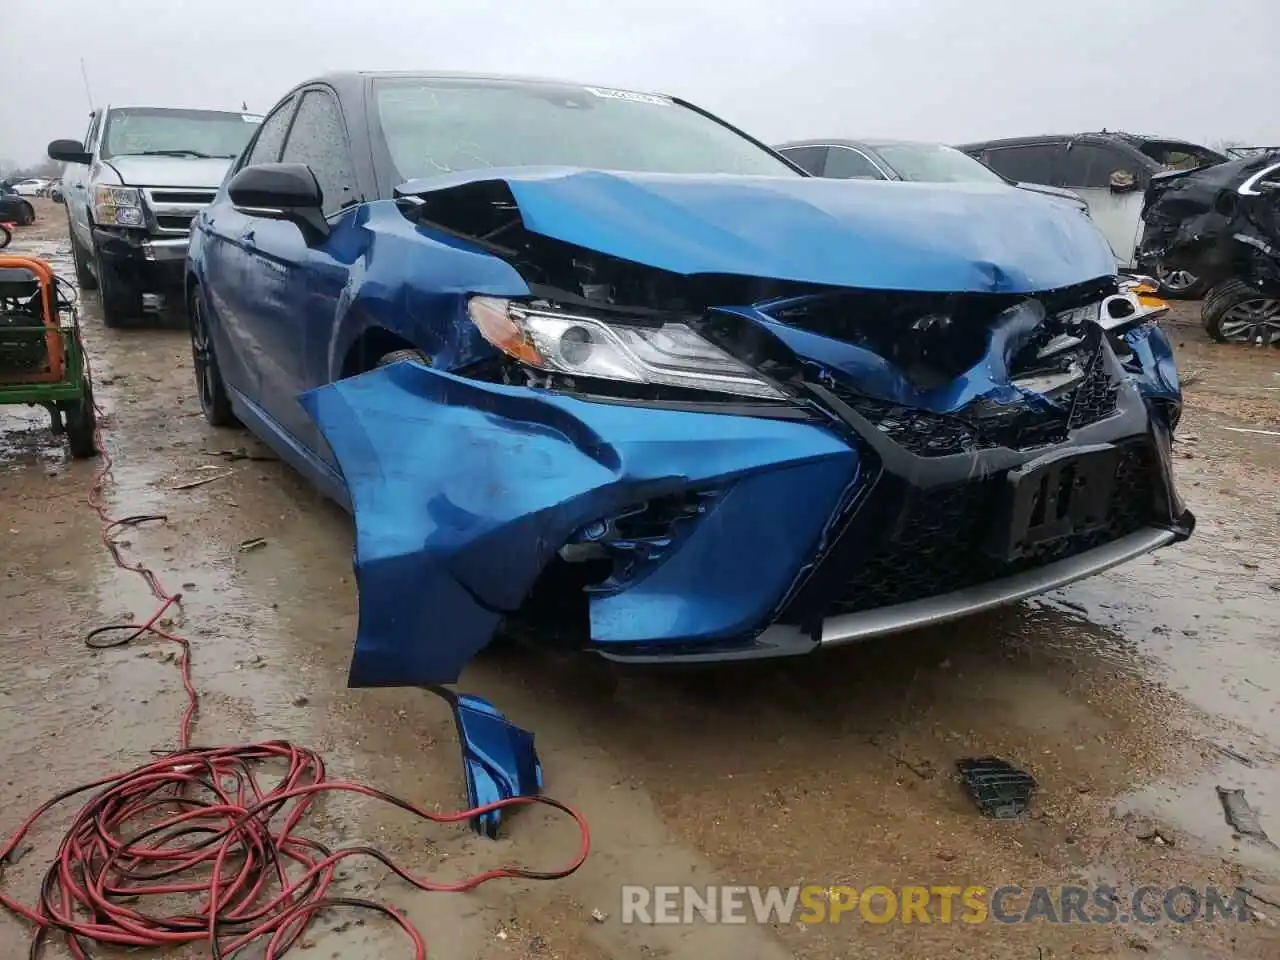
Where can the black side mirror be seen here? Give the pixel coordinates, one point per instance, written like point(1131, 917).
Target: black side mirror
point(281, 191)
point(69, 151)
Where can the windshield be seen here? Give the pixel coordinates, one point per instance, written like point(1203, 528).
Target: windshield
point(1179, 156)
point(936, 163)
point(435, 126)
point(177, 133)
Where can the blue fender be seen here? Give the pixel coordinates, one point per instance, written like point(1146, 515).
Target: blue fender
point(463, 491)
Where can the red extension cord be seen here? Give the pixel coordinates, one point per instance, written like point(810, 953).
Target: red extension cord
point(196, 823)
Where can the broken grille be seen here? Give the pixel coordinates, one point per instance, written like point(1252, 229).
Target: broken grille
point(1094, 398)
point(980, 427)
point(934, 547)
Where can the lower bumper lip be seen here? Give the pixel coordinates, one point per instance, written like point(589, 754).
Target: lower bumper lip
point(852, 627)
point(781, 640)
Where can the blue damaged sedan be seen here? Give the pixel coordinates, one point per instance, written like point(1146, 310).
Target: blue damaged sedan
point(595, 365)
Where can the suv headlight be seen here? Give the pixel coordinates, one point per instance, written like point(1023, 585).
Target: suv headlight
point(117, 206)
point(659, 353)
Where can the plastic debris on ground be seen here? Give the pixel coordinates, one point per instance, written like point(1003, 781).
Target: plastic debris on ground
point(999, 788)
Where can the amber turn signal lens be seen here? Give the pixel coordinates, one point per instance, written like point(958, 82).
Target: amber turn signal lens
point(493, 319)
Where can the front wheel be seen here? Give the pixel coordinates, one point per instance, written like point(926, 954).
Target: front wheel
point(1235, 312)
point(214, 402)
point(26, 215)
point(6, 237)
point(84, 276)
point(121, 298)
point(408, 353)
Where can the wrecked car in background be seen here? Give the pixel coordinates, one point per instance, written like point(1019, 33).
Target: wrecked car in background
point(1110, 170)
point(1222, 223)
point(594, 363)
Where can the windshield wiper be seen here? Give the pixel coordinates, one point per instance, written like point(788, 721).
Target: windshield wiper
point(179, 153)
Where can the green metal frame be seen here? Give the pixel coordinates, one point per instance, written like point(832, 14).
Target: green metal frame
point(70, 387)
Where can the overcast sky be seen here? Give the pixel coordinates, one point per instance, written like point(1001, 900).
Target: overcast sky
point(950, 70)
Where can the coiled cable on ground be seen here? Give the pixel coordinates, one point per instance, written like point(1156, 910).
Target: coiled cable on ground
point(196, 826)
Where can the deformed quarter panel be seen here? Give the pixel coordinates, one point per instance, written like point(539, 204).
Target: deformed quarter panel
point(464, 491)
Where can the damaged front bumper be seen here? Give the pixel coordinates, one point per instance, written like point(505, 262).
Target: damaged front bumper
point(716, 535)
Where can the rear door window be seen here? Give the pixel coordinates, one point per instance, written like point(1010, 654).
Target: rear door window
point(846, 163)
point(1027, 163)
point(809, 159)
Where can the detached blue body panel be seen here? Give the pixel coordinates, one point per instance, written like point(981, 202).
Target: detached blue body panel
point(464, 491)
point(944, 238)
point(1154, 353)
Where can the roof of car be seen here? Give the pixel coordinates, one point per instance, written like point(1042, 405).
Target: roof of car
point(1134, 139)
point(874, 143)
point(341, 78)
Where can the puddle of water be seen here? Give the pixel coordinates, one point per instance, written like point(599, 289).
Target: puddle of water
point(1205, 618)
point(1194, 808)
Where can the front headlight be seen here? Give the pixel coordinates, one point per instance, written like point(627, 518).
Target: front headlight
point(662, 354)
point(117, 206)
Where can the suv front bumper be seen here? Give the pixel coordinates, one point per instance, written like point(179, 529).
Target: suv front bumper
point(150, 262)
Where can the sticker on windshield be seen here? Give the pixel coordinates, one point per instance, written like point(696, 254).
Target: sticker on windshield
point(629, 96)
point(250, 118)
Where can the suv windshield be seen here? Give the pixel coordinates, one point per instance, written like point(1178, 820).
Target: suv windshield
point(1179, 156)
point(434, 126)
point(936, 163)
point(177, 133)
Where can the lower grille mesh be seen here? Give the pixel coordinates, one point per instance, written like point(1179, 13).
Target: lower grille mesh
point(935, 545)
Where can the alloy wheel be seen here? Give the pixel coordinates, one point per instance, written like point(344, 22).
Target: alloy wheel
point(1176, 281)
point(1253, 321)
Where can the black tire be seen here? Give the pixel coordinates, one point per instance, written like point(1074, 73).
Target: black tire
point(5, 236)
point(26, 214)
point(214, 402)
point(79, 420)
point(1225, 298)
point(84, 276)
point(121, 300)
point(395, 356)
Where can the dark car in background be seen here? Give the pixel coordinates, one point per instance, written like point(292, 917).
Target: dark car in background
point(1223, 224)
point(15, 208)
point(903, 160)
point(1111, 171)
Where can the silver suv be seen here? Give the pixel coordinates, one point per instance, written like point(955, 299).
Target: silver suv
point(132, 188)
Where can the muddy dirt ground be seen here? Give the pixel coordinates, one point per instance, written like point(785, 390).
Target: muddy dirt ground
point(1129, 697)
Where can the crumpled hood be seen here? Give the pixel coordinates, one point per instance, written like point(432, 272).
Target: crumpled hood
point(170, 171)
point(889, 236)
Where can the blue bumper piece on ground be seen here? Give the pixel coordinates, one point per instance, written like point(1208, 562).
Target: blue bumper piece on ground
point(1154, 352)
point(498, 758)
point(464, 491)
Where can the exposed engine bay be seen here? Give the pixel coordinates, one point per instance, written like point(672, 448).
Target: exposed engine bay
point(941, 372)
